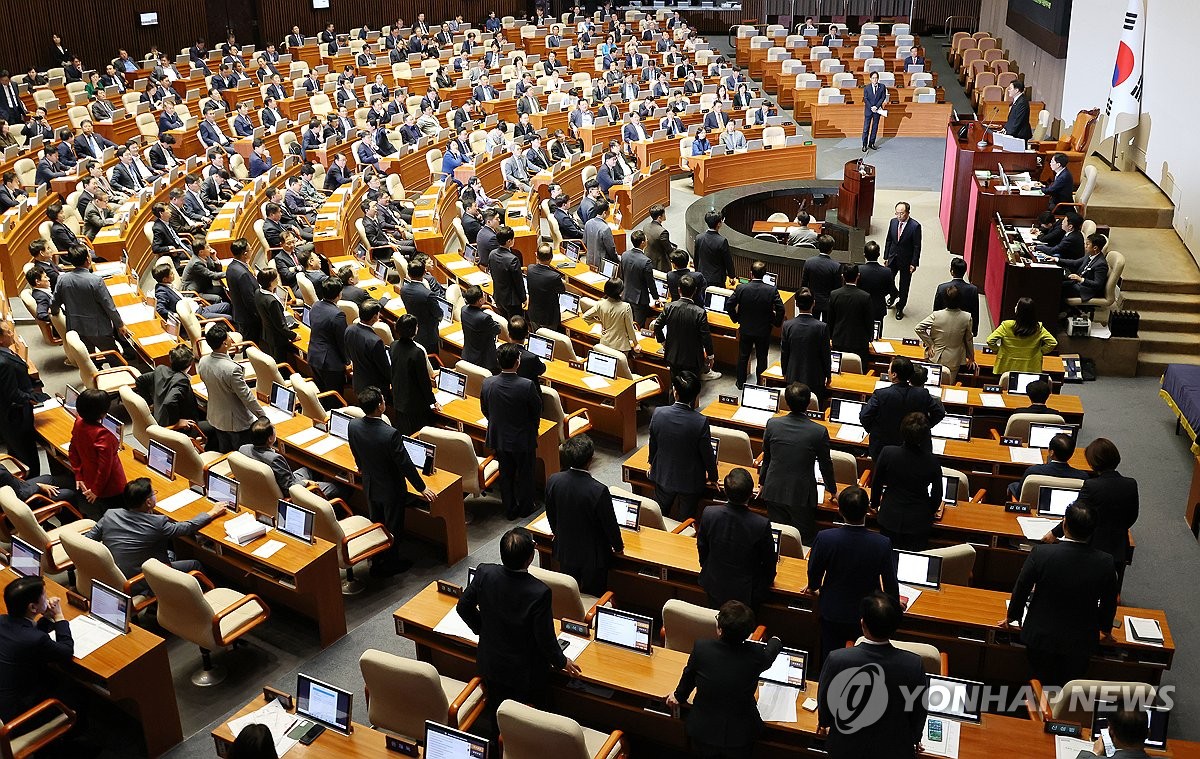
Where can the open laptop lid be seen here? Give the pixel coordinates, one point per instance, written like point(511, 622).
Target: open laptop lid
point(920, 569)
point(954, 698)
point(109, 606)
point(294, 520)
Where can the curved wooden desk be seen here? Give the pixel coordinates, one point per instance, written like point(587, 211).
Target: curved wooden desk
point(713, 173)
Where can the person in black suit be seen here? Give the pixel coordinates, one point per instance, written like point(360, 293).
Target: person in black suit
point(508, 287)
point(711, 251)
point(850, 315)
point(546, 283)
point(18, 396)
point(480, 331)
point(1069, 245)
point(679, 268)
point(1017, 124)
point(756, 308)
point(412, 391)
point(580, 510)
point(897, 732)
point(380, 455)
point(1062, 448)
point(242, 287)
point(1088, 276)
point(512, 404)
point(27, 652)
point(804, 348)
point(846, 564)
point(1113, 501)
point(1062, 187)
point(968, 294)
point(877, 280)
point(485, 240)
point(277, 338)
point(327, 338)
point(735, 546)
point(530, 366)
point(906, 487)
point(511, 612)
point(637, 271)
point(366, 351)
point(419, 301)
point(682, 328)
point(888, 406)
point(681, 455)
point(568, 226)
point(822, 275)
point(1071, 590)
point(791, 444)
point(902, 252)
point(724, 719)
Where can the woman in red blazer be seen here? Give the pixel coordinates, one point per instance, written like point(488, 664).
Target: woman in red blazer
point(94, 452)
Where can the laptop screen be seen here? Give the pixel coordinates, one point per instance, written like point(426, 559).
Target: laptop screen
point(25, 559)
point(161, 459)
point(952, 427)
point(715, 302)
point(953, 698)
point(715, 442)
point(1054, 501)
point(294, 520)
point(323, 703)
point(761, 398)
point(421, 454)
point(304, 311)
point(443, 742)
point(339, 424)
point(110, 606)
point(283, 398)
point(608, 268)
point(447, 309)
point(220, 489)
point(542, 347)
point(934, 376)
point(845, 412)
point(835, 362)
point(471, 253)
point(918, 569)
point(878, 330)
point(113, 425)
point(450, 381)
point(624, 629)
point(1157, 717)
point(1018, 382)
point(949, 490)
point(789, 667)
point(628, 512)
point(601, 364)
point(70, 396)
point(571, 250)
point(568, 303)
point(1040, 434)
point(381, 270)
point(776, 535)
point(660, 287)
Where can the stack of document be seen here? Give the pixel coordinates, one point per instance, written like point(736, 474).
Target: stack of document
point(954, 395)
point(851, 434)
point(90, 634)
point(1025, 455)
point(452, 624)
point(1143, 630)
point(1036, 528)
point(776, 702)
point(276, 718)
point(244, 528)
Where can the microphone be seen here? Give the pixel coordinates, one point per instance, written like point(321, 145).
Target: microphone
point(983, 142)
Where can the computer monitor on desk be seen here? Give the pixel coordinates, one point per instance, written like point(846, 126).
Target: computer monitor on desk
point(623, 629)
point(447, 743)
point(542, 347)
point(339, 424)
point(1040, 434)
point(323, 703)
point(25, 560)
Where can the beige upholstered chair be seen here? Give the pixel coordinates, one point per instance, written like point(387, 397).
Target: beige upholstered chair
point(685, 623)
point(845, 468)
point(257, 488)
point(93, 561)
point(109, 379)
point(53, 720)
point(1076, 700)
point(735, 446)
point(790, 542)
point(567, 600)
point(266, 371)
point(935, 662)
point(1034, 482)
point(529, 733)
point(957, 563)
point(1018, 424)
point(139, 415)
point(569, 425)
point(356, 537)
point(563, 349)
point(651, 517)
point(209, 617)
point(645, 386)
point(964, 486)
point(456, 453)
point(1100, 305)
point(311, 399)
point(403, 693)
point(476, 374)
point(189, 463)
point(26, 525)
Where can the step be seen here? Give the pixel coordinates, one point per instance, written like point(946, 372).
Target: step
point(1130, 284)
point(1175, 342)
point(1154, 363)
point(1126, 216)
point(1144, 301)
point(1159, 321)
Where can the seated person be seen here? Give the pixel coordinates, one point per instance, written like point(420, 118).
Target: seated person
point(700, 145)
point(168, 390)
point(26, 649)
point(166, 297)
point(39, 288)
point(1062, 448)
point(1047, 230)
point(1070, 246)
point(46, 485)
point(1087, 277)
point(262, 448)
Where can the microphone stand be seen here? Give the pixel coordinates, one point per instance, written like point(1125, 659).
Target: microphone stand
point(983, 142)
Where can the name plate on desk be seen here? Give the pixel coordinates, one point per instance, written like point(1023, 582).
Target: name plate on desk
point(449, 589)
point(401, 746)
point(814, 414)
point(991, 388)
point(575, 365)
point(910, 341)
point(1016, 508)
point(731, 400)
point(1011, 441)
point(990, 352)
point(1068, 729)
point(582, 629)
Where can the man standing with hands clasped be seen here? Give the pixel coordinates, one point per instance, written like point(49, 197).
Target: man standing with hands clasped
point(902, 252)
point(512, 404)
point(875, 97)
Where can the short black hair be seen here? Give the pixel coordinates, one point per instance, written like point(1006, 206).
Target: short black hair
point(713, 218)
point(1079, 521)
point(163, 272)
point(1038, 391)
point(614, 288)
point(508, 355)
point(136, 492)
point(331, 288)
point(216, 335)
point(406, 326)
point(473, 294)
point(92, 405)
point(21, 592)
point(805, 299)
point(736, 621)
point(369, 399)
point(518, 328)
point(902, 367)
point(368, 310)
point(1128, 727)
point(958, 266)
point(738, 487)
point(1102, 455)
point(914, 430)
point(825, 243)
point(576, 451)
point(880, 614)
point(261, 431)
point(686, 385)
point(953, 297)
point(180, 358)
point(266, 277)
point(798, 396)
point(516, 548)
point(1062, 447)
point(853, 502)
point(687, 285)
point(871, 251)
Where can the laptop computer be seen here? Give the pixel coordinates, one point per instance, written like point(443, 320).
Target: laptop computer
point(294, 520)
point(628, 512)
point(789, 667)
point(542, 347)
point(623, 629)
point(952, 427)
point(922, 570)
point(420, 453)
point(601, 364)
point(1053, 501)
point(24, 559)
point(160, 459)
point(1018, 382)
point(322, 704)
point(1040, 433)
point(339, 424)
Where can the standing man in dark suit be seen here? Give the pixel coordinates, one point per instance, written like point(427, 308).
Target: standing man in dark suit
point(638, 273)
point(878, 281)
point(791, 444)
point(511, 612)
point(875, 97)
point(546, 283)
point(327, 338)
point(89, 306)
point(508, 287)
point(512, 405)
point(681, 455)
point(480, 331)
point(412, 390)
point(419, 301)
point(530, 366)
point(897, 732)
point(682, 328)
point(804, 348)
point(580, 510)
point(242, 287)
point(735, 546)
point(756, 308)
point(847, 564)
point(711, 251)
point(1017, 124)
point(485, 241)
point(379, 452)
point(902, 251)
point(658, 240)
point(851, 326)
point(278, 339)
point(888, 406)
point(1071, 590)
point(366, 351)
point(822, 275)
point(724, 719)
point(18, 397)
point(968, 294)
point(1062, 187)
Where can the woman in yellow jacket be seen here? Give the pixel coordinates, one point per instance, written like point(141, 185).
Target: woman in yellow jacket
point(615, 317)
point(1021, 343)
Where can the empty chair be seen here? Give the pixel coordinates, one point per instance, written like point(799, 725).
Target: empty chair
point(563, 349)
point(356, 537)
point(403, 693)
point(93, 561)
point(566, 598)
point(685, 623)
point(312, 400)
point(266, 370)
point(644, 386)
point(529, 733)
point(1035, 482)
point(934, 661)
point(1018, 424)
point(964, 487)
point(827, 95)
point(1077, 699)
point(52, 719)
point(109, 379)
point(845, 468)
point(650, 514)
point(476, 374)
point(569, 425)
point(735, 446)
point(456, 454)
point(958, 562)
point(25, 524)
point(209, 617)
point(189, 464)
point(790, 542)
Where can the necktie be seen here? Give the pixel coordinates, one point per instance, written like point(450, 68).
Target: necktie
point(900, 230)
point(95, 147)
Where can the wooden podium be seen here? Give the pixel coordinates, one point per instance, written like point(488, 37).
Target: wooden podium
point(857, 195)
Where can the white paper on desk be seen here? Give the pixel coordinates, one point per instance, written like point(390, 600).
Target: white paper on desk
point(939, 446)
point(325, 445)
point(909, 595)
point(47, 405)
point(1069, 748)
point(948, 745)
point(135, 312)
point(479, 278)
point(757, 417)
point(200, 389)
point(1025, 455)
point(779, 229)
point(591, 278)
point(596, 329)
point(460, 264)
point(455, 337)
point(575, 645)
point(304, 436)
point(89, 635)
point(596, 383)
point(122, 289)
point(442, 398)
point(851, 433)
point(1146, 627)
point(774, 370)
point(268, 549)
point(777, 703)
point(882, 346)
point(276, 718)
point(370, 282)
point(277, 416)
point(452, 624)
point(992, 400)
point(178, 501)
point(542, 525)
point(481, 421)
point(153, 339)
point(1035, 528)
point(1099, 331)
point(954, 395)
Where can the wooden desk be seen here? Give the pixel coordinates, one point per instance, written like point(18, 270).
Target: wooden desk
point(903, 120)
point(1007, 279)
point(634, 201)
point(986, 363)
point(132, 671)
point(467, 415)
point(361, 743)
point(736, 169)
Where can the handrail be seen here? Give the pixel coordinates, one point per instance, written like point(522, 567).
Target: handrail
point(950, 31)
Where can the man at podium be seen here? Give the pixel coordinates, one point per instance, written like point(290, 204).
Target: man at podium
point(1018, 113)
